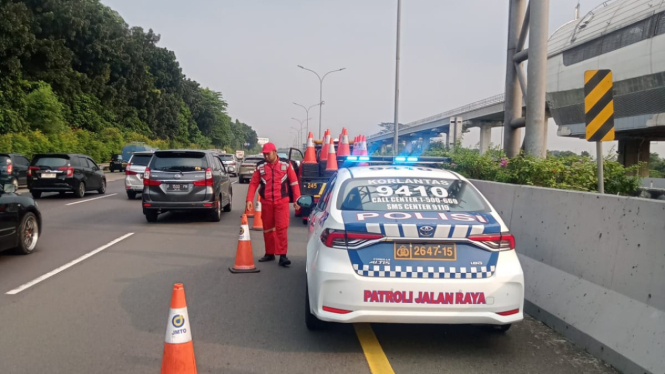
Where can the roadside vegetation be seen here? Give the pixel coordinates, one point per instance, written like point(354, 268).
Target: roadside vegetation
point(74, 77)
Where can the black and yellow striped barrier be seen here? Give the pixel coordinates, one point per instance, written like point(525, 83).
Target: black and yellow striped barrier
point(599, 105)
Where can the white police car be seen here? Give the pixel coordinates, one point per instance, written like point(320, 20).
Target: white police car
point(396, 241)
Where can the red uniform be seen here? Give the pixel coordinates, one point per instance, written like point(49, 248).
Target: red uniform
point(273, 182)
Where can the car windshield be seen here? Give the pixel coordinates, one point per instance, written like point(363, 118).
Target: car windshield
point(410, 194)
point(252, 160)
point(179, 161)
point(141, 160)
point(51, 161)
point(226, 157)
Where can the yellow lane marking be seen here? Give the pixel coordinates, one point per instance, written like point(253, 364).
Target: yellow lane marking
point(376, 358)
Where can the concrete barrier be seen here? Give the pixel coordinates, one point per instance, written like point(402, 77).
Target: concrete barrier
point(594, 268)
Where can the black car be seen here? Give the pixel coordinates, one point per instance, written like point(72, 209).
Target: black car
point(13, 169)
point(185, 180)
point(117, 163)
point(20, 221)
point(64, 172)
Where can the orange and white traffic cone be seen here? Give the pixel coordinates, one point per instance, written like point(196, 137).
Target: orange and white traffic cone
point(332, 157)
point(363, 146)
point(324, 148)
point(258, 221)
point(310, 152)
point(178, 355)
point(244, 257)
point(343, 148)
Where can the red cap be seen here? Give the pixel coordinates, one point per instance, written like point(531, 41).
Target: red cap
point(268, 147)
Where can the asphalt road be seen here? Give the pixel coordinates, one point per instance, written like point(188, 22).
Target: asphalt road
point(108, 313)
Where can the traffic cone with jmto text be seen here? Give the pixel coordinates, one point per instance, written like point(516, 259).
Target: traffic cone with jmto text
point(244, 257)
point(178, 347)
point(258, 221)
point(310, 152)
point(331, 166)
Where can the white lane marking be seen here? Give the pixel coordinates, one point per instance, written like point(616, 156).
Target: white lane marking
point(67, 265)
point(94, 198)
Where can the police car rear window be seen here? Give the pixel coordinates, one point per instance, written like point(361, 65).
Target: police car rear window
point(409, 195)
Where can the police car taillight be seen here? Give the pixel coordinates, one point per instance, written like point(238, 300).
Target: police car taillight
point(500, 242)
point(343, 239)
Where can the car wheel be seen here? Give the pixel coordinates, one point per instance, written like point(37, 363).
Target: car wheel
point(102, 189)
point(131, 195)
point(80, 191)
point(311, 321)
point(28, 234)
point(151, 216)
point(36, 194)
point(498, 328)
point(228, 206)
point(216, 214)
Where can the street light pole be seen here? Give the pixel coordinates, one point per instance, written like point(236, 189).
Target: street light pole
point(307, 112)
point(320, 90)
point(396, 120)
point(300, 134)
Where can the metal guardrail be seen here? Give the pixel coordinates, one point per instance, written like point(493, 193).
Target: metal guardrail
point(463, 109)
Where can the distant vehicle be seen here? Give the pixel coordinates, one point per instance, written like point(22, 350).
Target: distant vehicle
point(230, 163)
point(240, 155)
point(64, 172)
point(185, 180)
point(21, 222)
point(404, 242)
point(117, 163)
point(131, 148)
point(13, 169)
point(134, 173)
point(247, 168)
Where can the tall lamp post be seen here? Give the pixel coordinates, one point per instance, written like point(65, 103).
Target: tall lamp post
point(307, 112)
point(300, 134)
point(320, 89)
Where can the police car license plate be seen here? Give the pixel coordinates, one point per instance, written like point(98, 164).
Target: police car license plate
point(417, 251)
point(177, 187)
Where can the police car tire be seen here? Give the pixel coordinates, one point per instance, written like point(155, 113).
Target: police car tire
point(311, 321)
point(498, 328)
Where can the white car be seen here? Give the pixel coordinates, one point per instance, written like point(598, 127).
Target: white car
point(405, 243)
point(134, 172)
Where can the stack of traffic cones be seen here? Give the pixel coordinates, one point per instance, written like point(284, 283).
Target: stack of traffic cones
point(343, 148)
point(323, 156)
point(244, 257)
point(178, 355)
point(331, 165)
point(258, 221)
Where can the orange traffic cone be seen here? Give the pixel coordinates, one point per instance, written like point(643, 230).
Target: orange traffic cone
point(363, 146)
point(244, 257)
point(258, 221)
point(332, 157)
point(343, 148)
point(324, 148)
point(178, 355)
point(310, 152)
point(249, 212)
point(355, 146)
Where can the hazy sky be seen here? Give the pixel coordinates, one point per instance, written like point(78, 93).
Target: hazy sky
point(453, 53)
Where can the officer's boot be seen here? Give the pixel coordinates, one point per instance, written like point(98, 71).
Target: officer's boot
point(283, 261)
point(267, 257)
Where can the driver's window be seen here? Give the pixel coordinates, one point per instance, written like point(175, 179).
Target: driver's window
point(92, 164)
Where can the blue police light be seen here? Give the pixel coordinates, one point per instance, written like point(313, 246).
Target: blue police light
point(363, 158)
point(352, 158)
point(400, 159)
point(412, 159)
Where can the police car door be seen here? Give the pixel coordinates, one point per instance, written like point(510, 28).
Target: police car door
point(317, 218)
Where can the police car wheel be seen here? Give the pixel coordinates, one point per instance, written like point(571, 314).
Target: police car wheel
point(498, 328)
point(311, 321)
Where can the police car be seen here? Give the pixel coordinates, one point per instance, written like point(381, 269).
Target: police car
point(394, 240)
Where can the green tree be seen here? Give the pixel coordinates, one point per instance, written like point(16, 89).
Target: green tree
point(44, 111)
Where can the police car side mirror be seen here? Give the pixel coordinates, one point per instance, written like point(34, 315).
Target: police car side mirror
point(305, 201)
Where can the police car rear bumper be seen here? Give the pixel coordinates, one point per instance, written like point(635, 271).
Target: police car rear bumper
point(351, 298)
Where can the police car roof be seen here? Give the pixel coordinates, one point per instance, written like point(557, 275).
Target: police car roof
point(410, 171)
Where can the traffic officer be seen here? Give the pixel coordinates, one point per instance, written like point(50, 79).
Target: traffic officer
point(275, 179)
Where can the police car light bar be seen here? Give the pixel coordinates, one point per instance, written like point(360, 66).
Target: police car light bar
point(394, 159)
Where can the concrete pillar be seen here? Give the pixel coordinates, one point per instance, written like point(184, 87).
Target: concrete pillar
point(513, 97)
point(485, 137)
point(632, 151)
point(454, 131)
point(536, 119)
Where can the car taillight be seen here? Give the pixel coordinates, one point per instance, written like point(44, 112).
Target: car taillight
point(340, 238)
point(232, 163)
point(31, 169)
point(207, 181)
point(500, 242)
point(129, 172)
point(147, 181)
point(68, 170)
point(10, 168)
